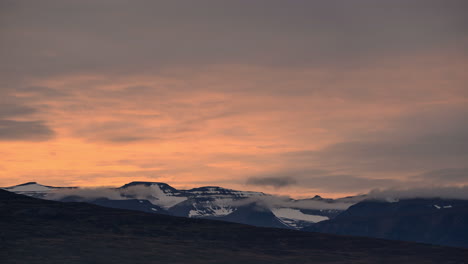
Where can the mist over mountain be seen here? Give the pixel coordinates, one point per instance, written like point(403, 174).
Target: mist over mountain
point(41, 231)
point(435, 215)
point(203, 202)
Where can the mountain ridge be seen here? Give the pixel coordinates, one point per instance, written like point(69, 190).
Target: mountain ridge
point(436, 221)
point(212, 202)
point(41, 231)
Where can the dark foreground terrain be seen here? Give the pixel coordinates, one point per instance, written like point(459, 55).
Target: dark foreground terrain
point(40, 231)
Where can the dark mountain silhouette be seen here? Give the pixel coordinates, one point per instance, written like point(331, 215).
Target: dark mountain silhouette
point(435, 221)
point(42, 231)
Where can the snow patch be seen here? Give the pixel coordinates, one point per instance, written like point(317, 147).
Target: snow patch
point(442, 207)
point(288, 213)
point(33, 187)
point(219, 207)
point(163, 199)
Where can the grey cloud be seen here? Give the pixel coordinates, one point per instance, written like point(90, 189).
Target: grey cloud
point(8, 110)
point(115, 39)
point(130, 132)
point(447, 175)
point(347, 183)
point(25, 130)
point(276, 182)
point(275, 201)
point(316, 179)
point(444, 192)
point(123, 36)
point(420, 141)
point(11, 108)
point(127, 139)
point(86, 194)
point(40, 91)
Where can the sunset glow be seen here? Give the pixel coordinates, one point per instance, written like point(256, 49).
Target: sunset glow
point(193, 99)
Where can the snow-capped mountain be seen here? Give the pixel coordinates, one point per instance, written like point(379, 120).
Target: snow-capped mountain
point(40, 231)
point(428, 220)
point(212, 202)
point(34, 189)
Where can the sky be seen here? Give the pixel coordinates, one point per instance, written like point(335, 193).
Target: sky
point(294, 98)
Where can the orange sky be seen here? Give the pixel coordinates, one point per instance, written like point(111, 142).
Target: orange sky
point(77, 112)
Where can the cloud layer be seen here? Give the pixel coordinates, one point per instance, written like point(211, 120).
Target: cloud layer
point(449, 192)
point(298, 97)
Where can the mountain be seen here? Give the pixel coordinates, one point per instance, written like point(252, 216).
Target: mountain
point(34, 189)
point(42, 231)
point(210, 202)
point(129, 204)
point(253, 214)
point(435, 221)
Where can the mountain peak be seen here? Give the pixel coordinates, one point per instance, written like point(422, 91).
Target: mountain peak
point(29, 187)
point(27, 183)
point(161, 185)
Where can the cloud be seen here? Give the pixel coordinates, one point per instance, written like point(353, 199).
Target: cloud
point(388, 194)
point(33, 92)
point(92, 193)
point(444, 192)
point(156, 196)
point(424, 139)
point(12, 108)
point(151, 193)
point(342, 96)
point(444, 176)
point(8, 109)
point(317, 179)
point(118, 132)
point(348, 183)
point(274, 201)
point(86, 194)
point(127, 139)
point(276, 182)
point(11, 130)
point(92, 37)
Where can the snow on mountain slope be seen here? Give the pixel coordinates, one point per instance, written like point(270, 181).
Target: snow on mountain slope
point(164, 199)
point(159, 194)
point(29, 187)
point(221, 192)
point(205, 206)
point(34, 189)
point(211, 201)
point(296, 219)
point(210, 209)
point(296, 214)
point(204, 202)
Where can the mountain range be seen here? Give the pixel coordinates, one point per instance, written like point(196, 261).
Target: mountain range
point(42, 231)
point(435, 221)
point(209, 202)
